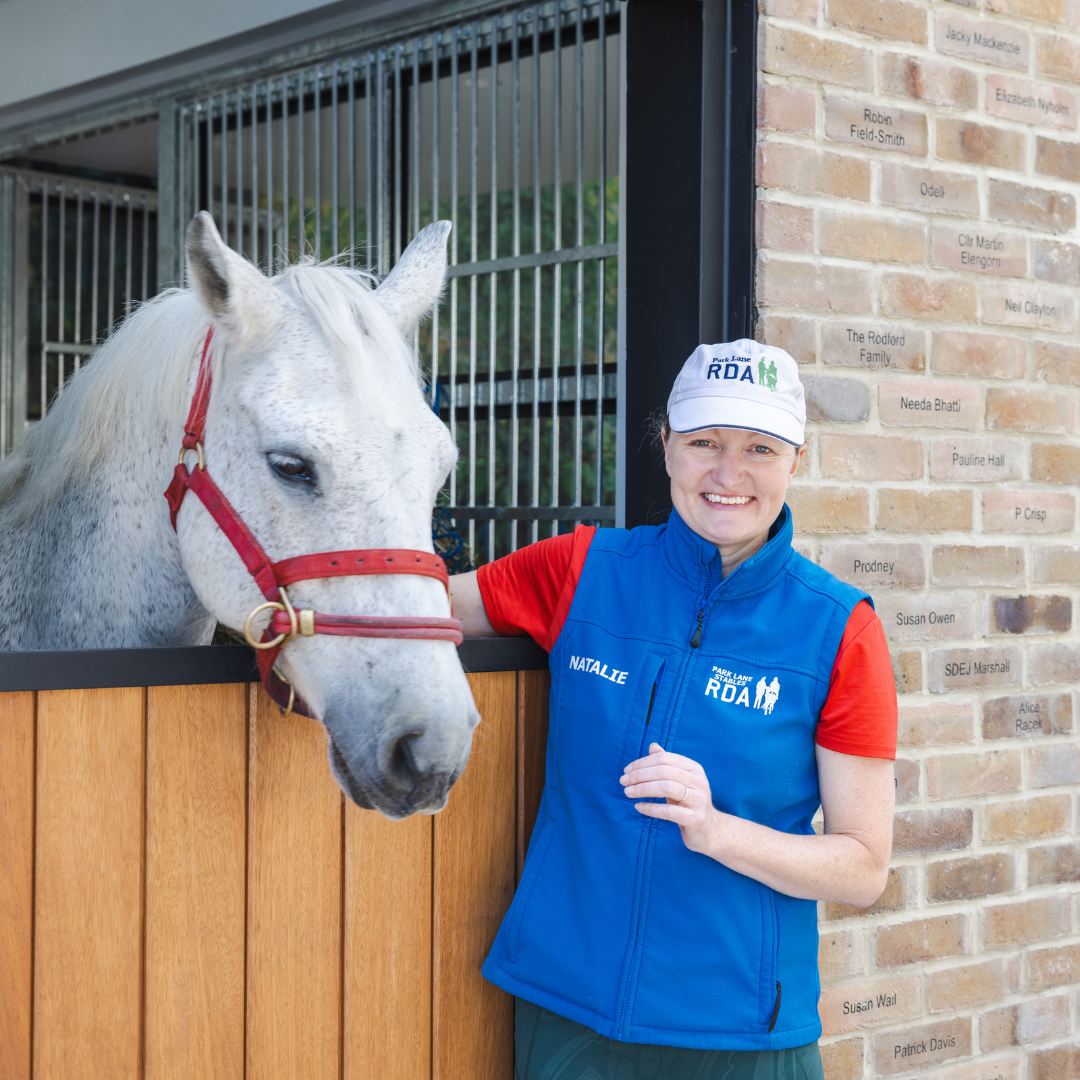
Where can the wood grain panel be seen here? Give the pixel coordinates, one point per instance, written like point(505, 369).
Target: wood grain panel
point(473, 1021)
point(88, 885)
point(196, 838)
point(294, 972)
point(533, 688)
point(16, 882)
point(387, 946)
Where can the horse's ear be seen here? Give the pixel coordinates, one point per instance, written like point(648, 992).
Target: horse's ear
point(235, 293)
point(412, 287)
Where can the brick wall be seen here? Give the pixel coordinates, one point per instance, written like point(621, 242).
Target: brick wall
point(918, 253)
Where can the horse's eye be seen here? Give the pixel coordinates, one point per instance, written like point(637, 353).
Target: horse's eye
point(290, 466)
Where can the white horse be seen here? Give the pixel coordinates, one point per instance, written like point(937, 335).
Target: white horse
point(318, 434)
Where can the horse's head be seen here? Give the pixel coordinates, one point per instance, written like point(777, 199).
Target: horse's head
point(319, 435)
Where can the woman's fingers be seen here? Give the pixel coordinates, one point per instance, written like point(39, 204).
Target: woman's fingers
point(660, 756)
point(676, 790)
point(657, 772)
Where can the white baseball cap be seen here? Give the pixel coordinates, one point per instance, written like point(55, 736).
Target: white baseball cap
point(741, 384)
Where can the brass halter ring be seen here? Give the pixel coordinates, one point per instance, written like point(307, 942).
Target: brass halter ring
point(198, 450)
point(281, 639)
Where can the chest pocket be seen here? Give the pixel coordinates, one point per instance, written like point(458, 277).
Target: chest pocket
point(642, 726)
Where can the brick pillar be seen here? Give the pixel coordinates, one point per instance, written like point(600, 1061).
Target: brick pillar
point(918, 169)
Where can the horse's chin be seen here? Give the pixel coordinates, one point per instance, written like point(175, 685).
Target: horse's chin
point(428, 796)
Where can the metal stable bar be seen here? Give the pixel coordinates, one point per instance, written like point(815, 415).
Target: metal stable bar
point(537, 277)
point(556, 333)
point(95, 315)
point(60, 276)
point(239, 171)
point(77, 325)
point(316, 116)
point(336, 161)
point(285, 204)
point(579, 211)
point(454, 239)
point(352, 162)
point(396, 104)
point(601, 236)
point(369, 94)
point(255, 175)
point(515, 330)
point(271, 258)
point(493, 217)
point(144, 293)
point(224, 161)
point(301, 199)
point(474, 135)
point(44, 293)
point(129, 244)
point(111, 312)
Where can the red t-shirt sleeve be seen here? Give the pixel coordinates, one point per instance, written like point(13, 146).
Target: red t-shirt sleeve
point(530, 590)
point(859, 716)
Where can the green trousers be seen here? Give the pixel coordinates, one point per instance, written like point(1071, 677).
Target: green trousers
point(550, 1047)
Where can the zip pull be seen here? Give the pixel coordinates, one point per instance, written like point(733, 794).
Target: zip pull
point(695, 641)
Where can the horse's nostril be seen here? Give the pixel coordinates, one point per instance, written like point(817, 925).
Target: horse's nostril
point(401, 763)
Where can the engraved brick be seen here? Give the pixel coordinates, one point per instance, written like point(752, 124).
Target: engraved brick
point(976, 460)
point(1053, 766)
point(1035, 208)
point(1029, 614)
point(1054, 11)
point(1056, 362)
point(1024, 922)
point(785, 227)
point(971, 878)
point(1055, 1062)
point(841, 401)
point(875, 566)
point(787, 108)
point(937, 724)
point(960, 564)
point(829, 509)
point(1025, 819)
point(926, 618)
point(907, 510)
point(1054, 158)
point(974, 667)
point(979, 144)
point(979, 251)
point(868, 1004)
point(1057, 566)
point(843, 1060)
point(874, 125)
point(861, 236)
point(989, 355)
point(920, 832)
point(1054, 967)
point(1028, 511)
point(919, 1047)
point(921, 940)
point(889, 19)
point(1025, 715)
point(925, 79)
point(1029, 410)
point(1052, 664)
point(972, 985)
point(1028, 102)
point(1043, 307)
point(1054, 864)
point(914, 295)
point(928, 403)
point(785, 51)
point(795, 336)
point(1023, 1023)
point(1059, 56)
point(1055, 463)
point(988, 42)
point(804, 171)
point(907, 671)
point(906, 780)
point(900, 891)
point(840, 954)
point(876, 346)
point(787, 283)
point(1056, 262)
point(957, 776)
point(870, 457)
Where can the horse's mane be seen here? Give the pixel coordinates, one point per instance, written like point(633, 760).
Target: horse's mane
point(144, 369)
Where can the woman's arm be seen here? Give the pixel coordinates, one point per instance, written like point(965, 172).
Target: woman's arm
point(467, 604)
point(848, 863)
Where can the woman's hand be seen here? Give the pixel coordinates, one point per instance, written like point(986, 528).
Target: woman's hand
point(684, 784)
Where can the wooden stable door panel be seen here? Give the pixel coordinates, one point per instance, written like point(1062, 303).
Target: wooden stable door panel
point(295, 841)
point(387, 946)
point(88, 887)
point(473, 1021)
point(196, 835)
point(16, 882)
point(533, 690)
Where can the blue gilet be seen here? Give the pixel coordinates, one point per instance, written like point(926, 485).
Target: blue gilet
point(615, 923)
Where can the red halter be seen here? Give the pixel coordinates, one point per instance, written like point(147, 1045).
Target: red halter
point(272, 577)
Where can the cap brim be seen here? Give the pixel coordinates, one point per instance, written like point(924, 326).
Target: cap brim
point(697, 414)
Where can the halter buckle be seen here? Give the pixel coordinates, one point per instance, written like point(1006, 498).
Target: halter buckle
point(283, 638)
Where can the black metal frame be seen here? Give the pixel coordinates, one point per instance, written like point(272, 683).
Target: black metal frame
point(688, 209)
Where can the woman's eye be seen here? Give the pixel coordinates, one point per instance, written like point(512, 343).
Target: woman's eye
point(290, 466)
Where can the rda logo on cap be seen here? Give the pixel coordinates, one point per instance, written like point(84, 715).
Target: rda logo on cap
point(740, 384)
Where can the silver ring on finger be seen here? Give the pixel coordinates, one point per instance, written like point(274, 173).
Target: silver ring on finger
point(686, 794)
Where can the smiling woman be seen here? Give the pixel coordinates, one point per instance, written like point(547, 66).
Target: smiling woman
point(667, 912)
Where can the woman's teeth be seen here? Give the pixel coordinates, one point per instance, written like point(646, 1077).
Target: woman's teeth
point(727, 500)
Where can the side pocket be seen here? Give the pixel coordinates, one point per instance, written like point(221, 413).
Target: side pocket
point(640, 727)
point(768, 987)
point(538, 849)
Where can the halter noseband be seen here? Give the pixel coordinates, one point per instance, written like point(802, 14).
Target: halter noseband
point(273, 577)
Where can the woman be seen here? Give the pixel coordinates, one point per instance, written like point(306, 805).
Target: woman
point(710, 687)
